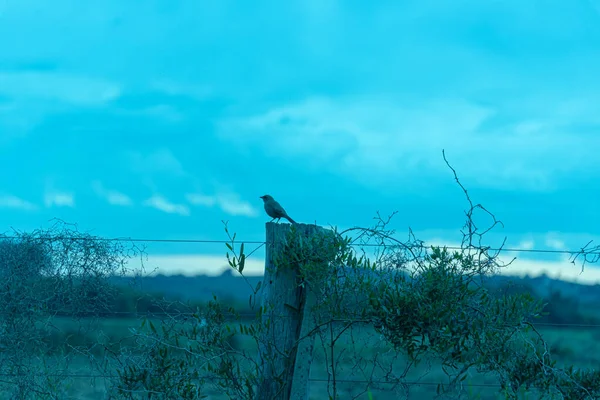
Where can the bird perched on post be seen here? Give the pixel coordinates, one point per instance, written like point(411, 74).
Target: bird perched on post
point(274, 209)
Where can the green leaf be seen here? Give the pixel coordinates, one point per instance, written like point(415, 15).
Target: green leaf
point(241, 263)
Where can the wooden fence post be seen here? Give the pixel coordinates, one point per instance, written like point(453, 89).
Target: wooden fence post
point(285, 360)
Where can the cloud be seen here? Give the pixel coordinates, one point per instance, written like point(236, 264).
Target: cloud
point(381, 140)
point(526, 245)
point(161, 203)
point(229, 202)
point(553, 242)
point(14, 202)
point(34, 95)
point(164, 161)
point(118, 199)
point(58, 199)
point(562, 270)
point(195, 264)
point(201, 200)
point(525, 265)
point(111, 196)
point(233, 205)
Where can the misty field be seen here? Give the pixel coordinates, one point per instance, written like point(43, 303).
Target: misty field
point(355, 352)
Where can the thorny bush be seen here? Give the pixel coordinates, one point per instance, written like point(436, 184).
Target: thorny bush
point(43, 274)
point(426, 303)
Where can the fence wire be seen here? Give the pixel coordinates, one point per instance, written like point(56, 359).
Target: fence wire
point(129, 314)
point(259, 242)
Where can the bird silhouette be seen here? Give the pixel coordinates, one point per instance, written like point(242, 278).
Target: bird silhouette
point(274, 209)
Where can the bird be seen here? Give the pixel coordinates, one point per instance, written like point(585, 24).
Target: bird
point(274, 209)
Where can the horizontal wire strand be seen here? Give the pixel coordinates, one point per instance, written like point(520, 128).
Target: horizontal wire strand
point(322, 380)
point(176, 314)
point(209, 241)
point(203, 241)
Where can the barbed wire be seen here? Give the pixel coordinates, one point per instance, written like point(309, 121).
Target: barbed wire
point(150, 314)
point(231, 317)
point(209, 378)
point(214, 241)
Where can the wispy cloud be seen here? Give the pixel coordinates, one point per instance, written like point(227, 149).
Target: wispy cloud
point(193, 264)
point(553, 242)
point(381, 139)
point(14, 202)
point(561, 269)
point(230, 203)
point(111, 196)
point(59, 199)
point(161, 203)
point(525, 264)
point(526, 244)
point(233, 205)
point(209, 264)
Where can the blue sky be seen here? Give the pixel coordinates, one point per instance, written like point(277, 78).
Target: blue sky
point(161, 119)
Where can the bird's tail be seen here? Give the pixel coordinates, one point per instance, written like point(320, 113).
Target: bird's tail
point(289, 219)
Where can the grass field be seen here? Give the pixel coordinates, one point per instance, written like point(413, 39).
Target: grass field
point(355, 354)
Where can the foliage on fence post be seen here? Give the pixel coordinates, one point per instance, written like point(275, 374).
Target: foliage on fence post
point(381, 307)
point(286, 342)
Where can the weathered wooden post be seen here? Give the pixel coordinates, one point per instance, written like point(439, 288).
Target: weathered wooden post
point(286, 342)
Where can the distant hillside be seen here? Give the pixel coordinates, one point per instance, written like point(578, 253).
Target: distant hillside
point(229, 286)
point(196, 288)
point(545, 286)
